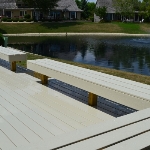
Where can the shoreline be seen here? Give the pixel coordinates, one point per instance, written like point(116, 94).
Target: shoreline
point(76, 34)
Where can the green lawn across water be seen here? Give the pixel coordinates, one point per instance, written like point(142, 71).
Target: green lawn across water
point(80, 27)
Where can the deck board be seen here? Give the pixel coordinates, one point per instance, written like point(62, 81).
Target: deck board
point(5, 142)
point(20, 126)
point(95, 131)
point(21, 115)
point(17, 138)
point(35, 113)
point(136, 143)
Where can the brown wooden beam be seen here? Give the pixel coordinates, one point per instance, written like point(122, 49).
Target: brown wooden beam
point(13, 66)
point(92, 99)
point(43, 78)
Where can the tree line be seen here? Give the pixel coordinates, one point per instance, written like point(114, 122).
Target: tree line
point(127, 8)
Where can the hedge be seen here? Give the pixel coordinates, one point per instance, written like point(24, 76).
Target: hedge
point(1, 40)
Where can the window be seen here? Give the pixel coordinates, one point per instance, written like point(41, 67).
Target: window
point(22, 13)
point(72, 15)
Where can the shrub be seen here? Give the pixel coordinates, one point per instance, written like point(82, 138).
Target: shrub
point(1, 40)
point(29, 20)
point(15, 20)
point(146, 19)
point(4, 19)
point(91, 19)
point(35, 20)
point(27, 16)
point(9, 20)
point(22, 20)
point(105, 21)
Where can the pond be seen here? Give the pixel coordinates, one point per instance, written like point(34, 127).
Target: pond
point(131, 54)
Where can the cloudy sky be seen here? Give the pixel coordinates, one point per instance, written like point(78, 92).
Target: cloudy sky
point(92, 1)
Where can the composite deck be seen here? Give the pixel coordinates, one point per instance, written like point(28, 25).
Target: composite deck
point(32, 113)
point(130, 132)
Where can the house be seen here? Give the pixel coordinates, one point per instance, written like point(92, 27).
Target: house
point(111, 12)
point(13, 9)
point(110, 9)
point(66, 9)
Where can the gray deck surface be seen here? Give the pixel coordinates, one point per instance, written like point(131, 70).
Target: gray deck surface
point(31, 112)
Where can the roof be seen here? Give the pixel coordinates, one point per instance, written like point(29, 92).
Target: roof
point(64, 5)
point(67, 5)
point(11, 4)
point(108, 4)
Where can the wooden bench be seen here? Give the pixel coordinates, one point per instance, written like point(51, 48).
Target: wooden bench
point(126, 92)
point(12, 56)
point(116, 134)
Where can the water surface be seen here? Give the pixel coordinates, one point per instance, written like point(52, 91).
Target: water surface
point(131, 54)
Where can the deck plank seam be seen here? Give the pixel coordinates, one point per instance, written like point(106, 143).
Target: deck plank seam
point(28, 116)
point(15, 129)
point(9, 138)
point(21, 121)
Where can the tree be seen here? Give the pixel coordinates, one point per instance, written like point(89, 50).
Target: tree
point(42, 5)
point(84, 7)
point(78, 2)
point(91, 8)
point(145, 10)
point(88, 8)
point(101, 12)
point(125, 7)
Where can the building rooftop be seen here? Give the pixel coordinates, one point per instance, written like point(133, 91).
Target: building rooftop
point(11, 4)
point(107, 3)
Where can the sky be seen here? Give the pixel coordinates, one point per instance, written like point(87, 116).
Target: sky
point(92, 1)
point(95, 1)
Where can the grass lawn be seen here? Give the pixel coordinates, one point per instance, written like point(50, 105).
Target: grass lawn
point(127, 75)
point(114, 27)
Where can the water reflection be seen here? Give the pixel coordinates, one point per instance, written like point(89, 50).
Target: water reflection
point(127, 54)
